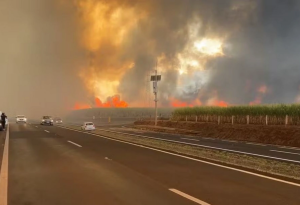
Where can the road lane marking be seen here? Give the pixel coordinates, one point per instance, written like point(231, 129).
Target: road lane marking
point(207, 138)
point(198, 201)
point(205, 146)
point(190, 139)
point(4, 171)
point(46, 131)
point(229, 141)
point(293, 148)
point(252, 143)
point(285, 152)
point(75, 144)
point(190, 158)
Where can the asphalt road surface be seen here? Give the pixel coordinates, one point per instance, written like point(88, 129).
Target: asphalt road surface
point(57, 166)
point(287, 154)
point(280, 153)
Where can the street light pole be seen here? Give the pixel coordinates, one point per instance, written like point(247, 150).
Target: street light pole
point(155, 78)
point(155, 94)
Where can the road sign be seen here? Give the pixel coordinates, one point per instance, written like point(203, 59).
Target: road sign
point(156, 78)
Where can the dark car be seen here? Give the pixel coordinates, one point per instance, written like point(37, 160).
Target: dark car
point(47, 120)
point(58, 120)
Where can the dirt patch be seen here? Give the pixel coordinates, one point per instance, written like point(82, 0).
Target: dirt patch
point(277, 135)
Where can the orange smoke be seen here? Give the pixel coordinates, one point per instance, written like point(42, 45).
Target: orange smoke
point(262, 89)
point(79, 106)
point(112, 102)
point(261, 92)
point(177, 103)
point(221, 104)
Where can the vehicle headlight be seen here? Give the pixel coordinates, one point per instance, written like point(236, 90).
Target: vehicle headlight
point(43, 120)
point(51, 120)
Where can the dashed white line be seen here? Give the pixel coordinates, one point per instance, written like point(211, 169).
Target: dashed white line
point(190, 139)
point(285, 152)
point(75, 144)
point(190, 158)
point(198, 201)
point(229, 141)
point(207, 138)
point(47, 131)
point(293, 148)
point(4, 171)
point(252, 143)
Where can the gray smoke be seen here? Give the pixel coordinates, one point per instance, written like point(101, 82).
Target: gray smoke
point(41, 55)
point(39, 58)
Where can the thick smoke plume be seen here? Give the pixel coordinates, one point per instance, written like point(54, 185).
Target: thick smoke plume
point(215, 52)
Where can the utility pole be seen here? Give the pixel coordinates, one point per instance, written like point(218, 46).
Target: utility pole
point(155, 94)
point(155, 80)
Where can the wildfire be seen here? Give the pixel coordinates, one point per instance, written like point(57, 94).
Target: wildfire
point(261, 92)
point(210, 47)
point(177, 103)
point(79, 106)
point(110, 33)
point(112, 102)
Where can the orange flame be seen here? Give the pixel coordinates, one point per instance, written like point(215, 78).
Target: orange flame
point(113, 101)
point(221, 103)
point(79, 106)
point(177, 103)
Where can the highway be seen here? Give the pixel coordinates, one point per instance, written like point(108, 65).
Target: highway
point(53, 165)
point(280, 153)
point(287, 154)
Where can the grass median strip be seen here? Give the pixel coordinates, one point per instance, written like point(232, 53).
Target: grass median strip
point(279, 168)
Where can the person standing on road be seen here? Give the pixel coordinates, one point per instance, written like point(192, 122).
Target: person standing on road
point(3, 120)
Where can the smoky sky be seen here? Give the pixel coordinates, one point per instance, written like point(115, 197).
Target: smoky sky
point(265, 52)
point(39, 58)
point(41, 52)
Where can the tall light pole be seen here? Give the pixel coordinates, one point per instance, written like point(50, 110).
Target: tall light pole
point(155, 78)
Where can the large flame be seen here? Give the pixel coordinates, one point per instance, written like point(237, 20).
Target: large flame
point(112, 102)
point(81, 106)
point(105, 26)
point(177, 103)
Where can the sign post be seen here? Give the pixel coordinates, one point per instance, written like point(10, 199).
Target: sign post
point(155, 78)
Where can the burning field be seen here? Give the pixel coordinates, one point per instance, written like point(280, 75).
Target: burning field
point(101, 53)
point(201, 48)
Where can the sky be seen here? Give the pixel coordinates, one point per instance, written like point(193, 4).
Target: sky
point(59, 55)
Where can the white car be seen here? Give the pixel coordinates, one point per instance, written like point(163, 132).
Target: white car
point(21, 118)
point(89, 126)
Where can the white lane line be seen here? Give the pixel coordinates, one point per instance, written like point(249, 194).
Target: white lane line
point(293, 148)
point(190, 139)
point(285, 152)
point(4, 171)
point(205, 146)
point(198, 201)
point(252, 143)
point(75, 144)
point(207, 138)
point(190, 158)
point(229, 141)
point(46, 131)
